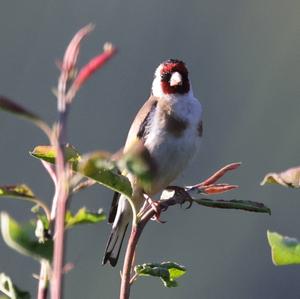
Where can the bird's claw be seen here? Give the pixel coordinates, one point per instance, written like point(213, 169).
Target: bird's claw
point(190, 203)
point(156, 218)
point(182, 196)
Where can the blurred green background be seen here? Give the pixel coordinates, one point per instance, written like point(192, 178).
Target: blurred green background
point(244, 62)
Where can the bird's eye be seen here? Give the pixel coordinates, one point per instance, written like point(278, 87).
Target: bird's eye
point(165, 76)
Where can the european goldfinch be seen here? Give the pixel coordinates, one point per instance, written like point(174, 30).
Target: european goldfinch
point(170, 126)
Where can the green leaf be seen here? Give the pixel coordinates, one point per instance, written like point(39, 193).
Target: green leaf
point(137, 160)
point(12, 107)
point(97, 167)
point(23, 192)
point(250, 206)
point(17, 191)
point(285, 250)
point(48, 153)
point(20, 238)
point(11, 290)
point(167, 271)
point(83, 217)
point(288, 178)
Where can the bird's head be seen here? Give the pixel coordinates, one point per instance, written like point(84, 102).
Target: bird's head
point(170, 78)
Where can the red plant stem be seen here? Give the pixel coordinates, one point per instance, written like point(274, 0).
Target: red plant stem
point(43, 281)
point(62, 191)
point(59, 237)
point(62, 199)
point(135, 234)
point(129, 256)
point(42, 292)
point(58, 261)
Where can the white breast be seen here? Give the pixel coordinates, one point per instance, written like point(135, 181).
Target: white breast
point(172, 153)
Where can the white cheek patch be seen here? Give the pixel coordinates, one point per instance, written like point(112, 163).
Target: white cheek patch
point(156, 88)
point(156, 85)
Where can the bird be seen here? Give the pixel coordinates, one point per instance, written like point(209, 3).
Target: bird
point(170, 126)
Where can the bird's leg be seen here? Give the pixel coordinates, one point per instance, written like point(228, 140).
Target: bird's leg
point(156, 206)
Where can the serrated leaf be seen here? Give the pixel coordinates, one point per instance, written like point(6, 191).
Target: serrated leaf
point(20, 238)
point(285, 250)
point(12, 107)
point(83, 216)
point(11, 290)
point(23, 192)
point(288, 178)
point(98, 168)
point(48, 153)
point(250, 206)
point(168, 272)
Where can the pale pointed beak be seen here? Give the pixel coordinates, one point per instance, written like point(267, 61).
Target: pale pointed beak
point(176, 79)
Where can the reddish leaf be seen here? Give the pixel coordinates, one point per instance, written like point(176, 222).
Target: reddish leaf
point(93, 65)
point(72, 51)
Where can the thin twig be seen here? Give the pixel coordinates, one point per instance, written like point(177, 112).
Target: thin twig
point(83, 185)
point(62, 189)
point(62, 200)
point(51, 171)
point(126, 273)
point(134, 278)
point(43, 280)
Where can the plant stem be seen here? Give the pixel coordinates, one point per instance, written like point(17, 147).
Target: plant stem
point(62, 190)
point(43, 281)
point(59, 237)
point(62, 200)
point(129, 256)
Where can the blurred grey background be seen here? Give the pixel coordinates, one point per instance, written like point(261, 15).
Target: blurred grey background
point(244, 59)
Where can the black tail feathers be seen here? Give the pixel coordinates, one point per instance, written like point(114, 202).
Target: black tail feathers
point(114, 244)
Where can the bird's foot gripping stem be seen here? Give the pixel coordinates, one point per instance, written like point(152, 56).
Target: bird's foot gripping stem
point(156, 207)
point(180, 195)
